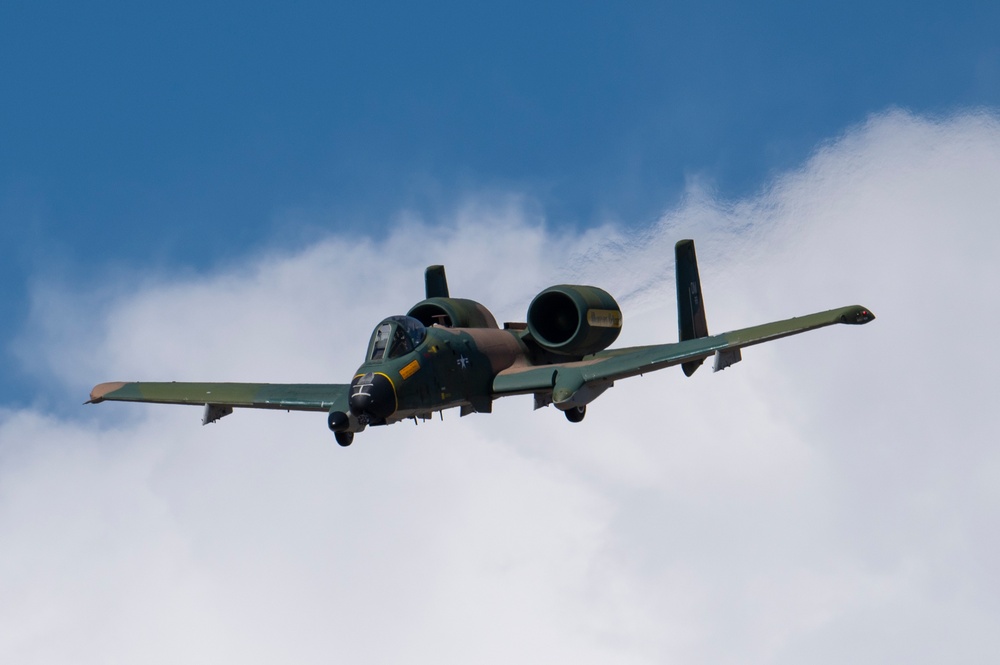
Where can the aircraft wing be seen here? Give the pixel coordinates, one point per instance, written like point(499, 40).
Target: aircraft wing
point(601, 369)
point(220, 398)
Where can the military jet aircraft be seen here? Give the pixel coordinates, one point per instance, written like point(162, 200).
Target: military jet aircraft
point(449, 352)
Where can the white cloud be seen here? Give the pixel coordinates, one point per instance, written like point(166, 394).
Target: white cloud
point(830, 499)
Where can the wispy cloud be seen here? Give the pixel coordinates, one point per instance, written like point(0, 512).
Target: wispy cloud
point(830, 499)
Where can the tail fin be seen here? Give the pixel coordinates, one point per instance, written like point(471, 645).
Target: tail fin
point(691, 322)
point(435, 282)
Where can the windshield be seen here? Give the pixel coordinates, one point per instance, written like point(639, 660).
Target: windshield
point(396, 336)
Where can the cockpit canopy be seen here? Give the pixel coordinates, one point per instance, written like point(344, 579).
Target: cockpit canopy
point(394, 337)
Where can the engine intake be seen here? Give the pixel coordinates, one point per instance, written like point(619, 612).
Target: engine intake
point(452, 313)
point(574, 320)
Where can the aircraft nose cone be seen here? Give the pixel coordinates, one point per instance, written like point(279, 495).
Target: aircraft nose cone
point(360, 401)
point(372, 395)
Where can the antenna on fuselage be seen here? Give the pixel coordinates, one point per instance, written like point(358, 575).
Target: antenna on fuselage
point(435, 282)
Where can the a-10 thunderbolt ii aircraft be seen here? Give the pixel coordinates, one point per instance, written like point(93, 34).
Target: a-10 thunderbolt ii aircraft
point(449, 352)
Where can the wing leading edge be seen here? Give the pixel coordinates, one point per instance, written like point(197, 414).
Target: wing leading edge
point(601, 369)
point(226, 396)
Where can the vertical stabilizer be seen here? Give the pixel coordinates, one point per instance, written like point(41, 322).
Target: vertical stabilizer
point(435, 282)
point(691, 322)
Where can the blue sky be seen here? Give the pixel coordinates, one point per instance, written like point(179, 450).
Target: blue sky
point(180, 136)
point(240, 192)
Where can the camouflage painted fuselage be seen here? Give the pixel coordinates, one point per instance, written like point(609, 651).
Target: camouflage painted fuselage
point(453, 367)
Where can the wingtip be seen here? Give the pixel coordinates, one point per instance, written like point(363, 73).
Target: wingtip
point(857, 315)
point(101, 389)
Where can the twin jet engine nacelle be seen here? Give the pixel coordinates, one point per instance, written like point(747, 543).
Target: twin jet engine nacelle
point(452, 313)
point(574, 320)
point(567, 320)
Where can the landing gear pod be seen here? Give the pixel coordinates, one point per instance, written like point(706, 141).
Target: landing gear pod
point(340, 423)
